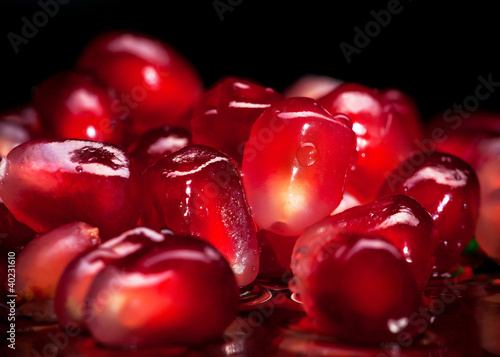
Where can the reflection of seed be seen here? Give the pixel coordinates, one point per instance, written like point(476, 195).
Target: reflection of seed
point(307, 154)
point(79, 169)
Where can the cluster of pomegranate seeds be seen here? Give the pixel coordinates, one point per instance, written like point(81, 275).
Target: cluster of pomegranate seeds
point(144, 207)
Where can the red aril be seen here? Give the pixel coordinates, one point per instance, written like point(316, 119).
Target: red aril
point(156, 143)
point(73, 105)
point(77, 277)
point(448, 188)
point(397, 218)
point(295, 165)
point(156, 85)
point(358, 288)
point(387, 126)
point(224, 116)
point(197, 191)
point(48, 183)
point(181, 292)
point(41, 263)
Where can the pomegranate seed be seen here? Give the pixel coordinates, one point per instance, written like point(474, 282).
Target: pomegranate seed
point(72, 105)
point(447, 187)
point(197, 191)
point(398, 218)
point(48, 183)
point(225, 114)
point(75, 281)
point(157, 86)
point(156, 143)
point(41, 263)
point(359, 288)
point(295, 165)
point(181, 292)
point(386, 125)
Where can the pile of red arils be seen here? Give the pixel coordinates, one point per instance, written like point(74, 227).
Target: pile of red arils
point(144, 207)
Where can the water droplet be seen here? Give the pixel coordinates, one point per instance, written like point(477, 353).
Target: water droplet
point(307, 154)
point(79, 169)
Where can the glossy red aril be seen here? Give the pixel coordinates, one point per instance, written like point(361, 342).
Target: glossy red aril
point(358, 288)
point(175, 293)
point(77, 277)
point(48, 183)
point(156, 84)
point(198, 191)
point(397, 218)
point(73, 105)
point(387, 126)
point(295, 165)
point(225, 114)
point(41, 263)
point(447, 187)
point(156, 143)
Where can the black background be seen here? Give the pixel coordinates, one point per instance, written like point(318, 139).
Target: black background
point(433, 52)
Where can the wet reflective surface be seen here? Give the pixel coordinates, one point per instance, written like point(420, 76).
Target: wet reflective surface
point(462, 321)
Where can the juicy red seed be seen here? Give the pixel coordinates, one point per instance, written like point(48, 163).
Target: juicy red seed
point(48, 183)
point(75, 281)
point(295, 165)
point(72, 105)
point(174, 293)
point(223, 117)
point(156, 85)
point(447, 187)
point(41, 263)
point(198, 191)
point(387, 126)
point(359, 288)
point(156, 143)
point(397, 218)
